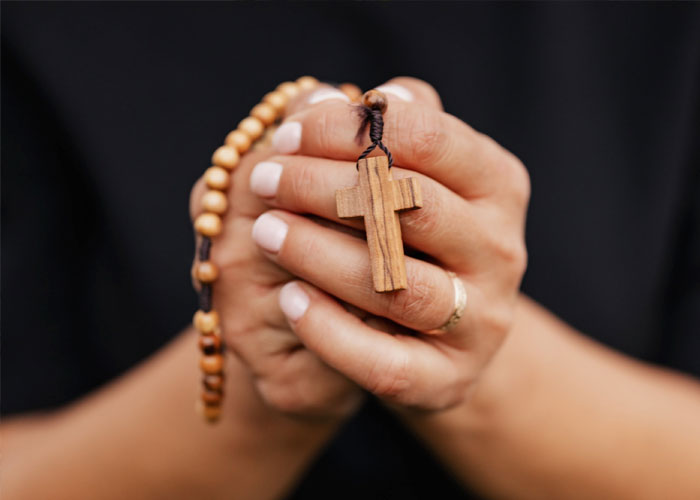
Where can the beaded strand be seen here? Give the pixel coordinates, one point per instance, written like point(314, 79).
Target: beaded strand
point(209, 225)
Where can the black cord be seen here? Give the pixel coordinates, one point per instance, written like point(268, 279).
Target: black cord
point(375, 120)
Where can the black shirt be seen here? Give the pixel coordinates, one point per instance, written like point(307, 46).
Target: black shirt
point(110, 112)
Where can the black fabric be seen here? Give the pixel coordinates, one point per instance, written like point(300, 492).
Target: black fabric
point(110, 112)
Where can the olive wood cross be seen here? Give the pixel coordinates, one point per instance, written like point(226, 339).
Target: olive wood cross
point(377, 198)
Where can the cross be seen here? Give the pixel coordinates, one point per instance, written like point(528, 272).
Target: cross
point(377, 198)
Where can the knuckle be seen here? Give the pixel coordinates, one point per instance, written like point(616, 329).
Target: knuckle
point(513, 253)
point(299, 180)
point(327, 123)
point(302, 254)
point(418, 303)
point(425, 133)
point(497, 320)
point(426, 221)
point(296, 397)
point(519, 181)
point(280, 397)
point(389, 379)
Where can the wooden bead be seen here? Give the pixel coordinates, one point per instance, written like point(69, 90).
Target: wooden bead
point(217, 178)
point(307, 82)
point(211, 412)
point(206, 272)
point(208, 224)
point(264, 112)
point(226, 156)
point(290, 89)
point(375, 99)
point(252, 126)
point(277, 100)
point(351, 90)
point(239, 140)
point(213, 382)
point(211, 398)
point(212, 364)
point(206, 322)
point(215, 201)
point(210, 344)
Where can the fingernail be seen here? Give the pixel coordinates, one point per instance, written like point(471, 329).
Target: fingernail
point(287, 138)
point(326, 94)
point(265, 178)
point(293, 301)
point(397, 91)
point(269, 232)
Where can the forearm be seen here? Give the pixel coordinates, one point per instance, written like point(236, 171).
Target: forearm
point(558, 416)
point(140, 438)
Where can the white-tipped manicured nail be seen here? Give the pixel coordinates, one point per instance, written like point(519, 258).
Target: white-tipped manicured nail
point(265, 178)
point(269, 232)
point(326, 94)
point(293, 301)
point(397, 91)
point(287, 138)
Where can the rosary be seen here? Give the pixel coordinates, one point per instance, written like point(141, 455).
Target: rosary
point(377, 198)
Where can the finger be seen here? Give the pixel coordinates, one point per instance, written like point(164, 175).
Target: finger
point(339, 264)
point(405, 88)
point(308, 185)
point(419, 137)
point(322, 93)
point(402, 88)
point(401, 368)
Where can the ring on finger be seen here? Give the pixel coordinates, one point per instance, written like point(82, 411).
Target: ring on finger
point(460, 304)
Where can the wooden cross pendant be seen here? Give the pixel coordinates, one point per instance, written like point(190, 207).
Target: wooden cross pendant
point(377, 198)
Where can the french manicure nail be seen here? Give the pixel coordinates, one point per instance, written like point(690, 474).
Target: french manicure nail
point(287, 138)
point(293, 301)
point(397, 91)
point(269, 232)
point(326, 94)
point(265, 178)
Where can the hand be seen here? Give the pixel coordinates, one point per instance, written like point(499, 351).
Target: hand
point(289, 377)
point(472, 223)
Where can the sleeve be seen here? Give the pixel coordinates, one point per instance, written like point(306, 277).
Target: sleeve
point(681, 339)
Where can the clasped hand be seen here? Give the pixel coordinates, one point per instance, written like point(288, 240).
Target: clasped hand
point(295, 291)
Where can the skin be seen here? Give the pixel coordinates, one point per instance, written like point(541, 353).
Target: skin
point(513, 400)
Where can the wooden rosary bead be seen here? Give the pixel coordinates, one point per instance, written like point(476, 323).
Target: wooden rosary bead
point(351, 90)
point(211, 398)
point(212, 364)
point(253, 127)
point(215, 201)
point(206, 272)
point(217, 178)
point(307, 82)
point(208, 224)
point(264, 112)
point(206, 322)
point(213, 382)
point(239, 140)
point(290, 89)
point(210, 344)
point(277, 100)
point(226, 156)
point(211, 412)
point(375, 99)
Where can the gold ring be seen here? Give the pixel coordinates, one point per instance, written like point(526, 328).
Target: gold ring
point(460, 304)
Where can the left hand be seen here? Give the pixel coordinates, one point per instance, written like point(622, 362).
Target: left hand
point(472, 223)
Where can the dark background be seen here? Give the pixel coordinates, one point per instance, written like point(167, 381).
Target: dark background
point(110, 112)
